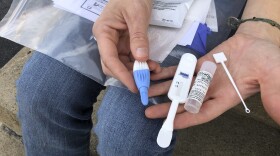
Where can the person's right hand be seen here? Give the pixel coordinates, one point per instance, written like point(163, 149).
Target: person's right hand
point(121, 34)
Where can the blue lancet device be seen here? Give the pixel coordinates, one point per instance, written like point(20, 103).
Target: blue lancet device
point(141, 73)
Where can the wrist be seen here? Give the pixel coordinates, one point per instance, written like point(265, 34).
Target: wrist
point(261, 9)
point(260, 30)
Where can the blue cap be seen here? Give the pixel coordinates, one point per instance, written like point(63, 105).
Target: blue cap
point(144, 95)
point(142, 80)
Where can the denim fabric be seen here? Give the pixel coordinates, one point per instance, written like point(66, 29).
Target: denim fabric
point(123, 129)
point(55, 107)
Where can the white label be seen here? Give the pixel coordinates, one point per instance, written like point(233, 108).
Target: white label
point(168, 14)
point(159, 5)
point(200, 86)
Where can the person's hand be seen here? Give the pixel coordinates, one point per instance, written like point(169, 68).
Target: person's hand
point(255, 66)
point(121, 34)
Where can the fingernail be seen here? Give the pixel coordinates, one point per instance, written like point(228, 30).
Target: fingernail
point(141, 52)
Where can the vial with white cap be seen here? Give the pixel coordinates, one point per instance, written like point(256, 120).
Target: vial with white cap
point(200, 87)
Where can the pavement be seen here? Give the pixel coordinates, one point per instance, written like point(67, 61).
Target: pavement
point(7, 48)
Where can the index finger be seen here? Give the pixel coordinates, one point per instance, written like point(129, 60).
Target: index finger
point(109, 55)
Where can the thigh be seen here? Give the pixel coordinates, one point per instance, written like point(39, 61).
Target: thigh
point(55, 107)
point(45, 79)
point(123, 129)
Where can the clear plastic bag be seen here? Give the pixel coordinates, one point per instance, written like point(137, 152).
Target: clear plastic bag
point(64, 36)
point(68, 38)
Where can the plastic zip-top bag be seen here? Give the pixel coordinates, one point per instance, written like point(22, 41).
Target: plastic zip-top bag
point(61, 35)
point(67, 37)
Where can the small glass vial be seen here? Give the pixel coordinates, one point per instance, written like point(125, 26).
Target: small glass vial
point(200, 87)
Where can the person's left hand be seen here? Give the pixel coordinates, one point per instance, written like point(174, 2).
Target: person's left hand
point(255, 66)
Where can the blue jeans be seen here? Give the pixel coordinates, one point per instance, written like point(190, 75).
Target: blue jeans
point(55, 107)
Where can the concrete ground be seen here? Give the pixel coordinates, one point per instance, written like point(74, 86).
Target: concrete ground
point(7, 48)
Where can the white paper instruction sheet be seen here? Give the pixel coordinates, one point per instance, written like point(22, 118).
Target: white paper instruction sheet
point(89, 9)
point(162, 39)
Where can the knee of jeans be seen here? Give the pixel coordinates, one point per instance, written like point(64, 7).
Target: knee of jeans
point(39, 97)
point(123, 129)
point(32, 100)
point(47, 88)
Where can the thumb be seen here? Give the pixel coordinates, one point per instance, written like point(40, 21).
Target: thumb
point(139, 43)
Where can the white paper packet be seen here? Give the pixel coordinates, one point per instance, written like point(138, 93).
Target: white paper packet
point(163, 39)
point(211, 19)
point(199, 10)
point(169, 14)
